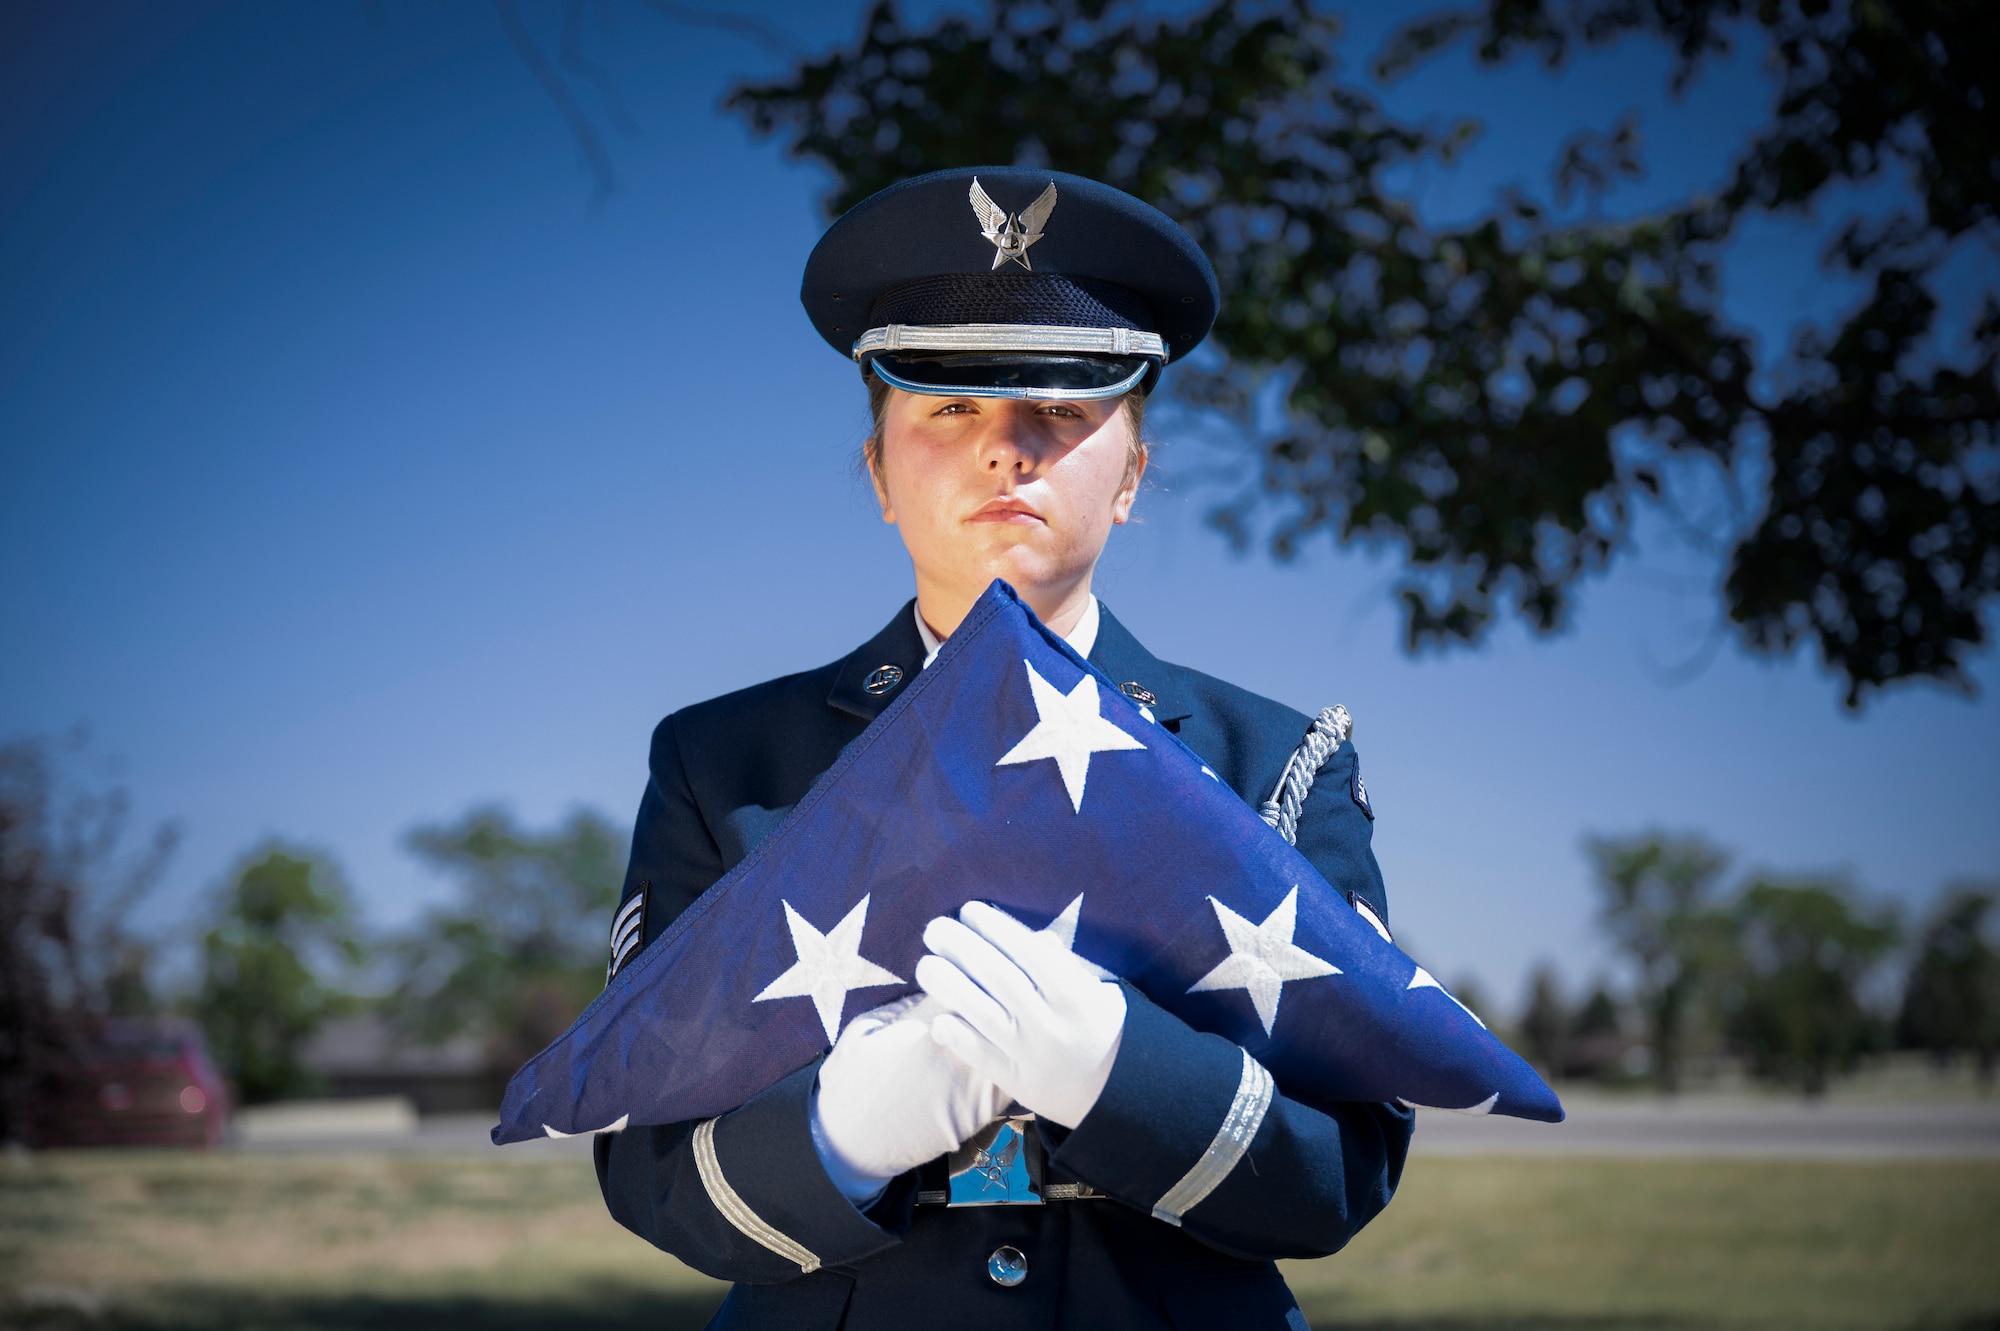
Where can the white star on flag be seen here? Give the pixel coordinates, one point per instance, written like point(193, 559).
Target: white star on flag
point(1069, 730)
point(829, 964)
point(1262, 957)
point(1063, 929)
point(1423, 979)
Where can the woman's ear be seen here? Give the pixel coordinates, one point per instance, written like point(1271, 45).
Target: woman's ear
point(1128, 494)
point(873, 454)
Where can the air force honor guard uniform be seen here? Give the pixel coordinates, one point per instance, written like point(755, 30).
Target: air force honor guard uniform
point(1182, 1171)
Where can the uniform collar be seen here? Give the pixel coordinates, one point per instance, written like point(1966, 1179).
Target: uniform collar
point(1136, 671)
point(899, 650)
point(1082, 638)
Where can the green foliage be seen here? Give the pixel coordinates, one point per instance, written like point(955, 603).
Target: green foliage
point(1545, 1022)
point(522, 951)
point(1951, 1000)
point(284, 924)
point(1658, 906)
point(1494, 399)
point(1795, 1000)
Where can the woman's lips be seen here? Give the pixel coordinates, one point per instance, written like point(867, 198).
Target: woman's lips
point(1011, 511)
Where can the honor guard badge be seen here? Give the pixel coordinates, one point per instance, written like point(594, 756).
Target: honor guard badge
point(1011, 234)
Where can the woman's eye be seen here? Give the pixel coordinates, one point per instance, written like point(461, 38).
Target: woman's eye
point(952, 409)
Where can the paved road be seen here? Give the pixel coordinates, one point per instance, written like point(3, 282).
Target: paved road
point(1772, 1129)
point(1692, 1126)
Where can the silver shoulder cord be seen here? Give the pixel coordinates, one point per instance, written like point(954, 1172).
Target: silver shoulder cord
point(1330, 730)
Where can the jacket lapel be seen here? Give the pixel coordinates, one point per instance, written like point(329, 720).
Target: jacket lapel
point(1137, 672)
point(875, 672)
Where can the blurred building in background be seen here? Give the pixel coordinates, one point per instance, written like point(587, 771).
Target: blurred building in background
point(363, 1057)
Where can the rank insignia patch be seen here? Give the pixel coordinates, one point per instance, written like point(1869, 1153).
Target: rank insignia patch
point(628, 930)
point(1360, 792)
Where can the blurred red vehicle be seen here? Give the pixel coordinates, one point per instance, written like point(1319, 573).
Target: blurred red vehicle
point(150, 1082)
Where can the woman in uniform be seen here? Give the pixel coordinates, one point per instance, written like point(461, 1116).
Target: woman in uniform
point(1008, 324)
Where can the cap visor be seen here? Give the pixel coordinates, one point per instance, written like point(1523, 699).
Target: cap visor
point(1013, 375)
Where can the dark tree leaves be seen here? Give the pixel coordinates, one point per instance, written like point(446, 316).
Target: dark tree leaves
point(1488, 399)
point(1880, 536)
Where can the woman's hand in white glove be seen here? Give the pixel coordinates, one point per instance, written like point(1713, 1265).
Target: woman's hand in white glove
point(891, 1098)
point(1023, 1010)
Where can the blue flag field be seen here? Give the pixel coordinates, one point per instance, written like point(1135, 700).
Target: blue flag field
point(1009, 771)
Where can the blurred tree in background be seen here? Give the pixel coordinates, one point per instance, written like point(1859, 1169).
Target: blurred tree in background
point(1659, 908)
point(1795, 1000)
point(271, 963)
point(69, 954)
point(523, 949)
point(1493, 399)
point(1598, 1046)
point(1951, 999)
point(1544, 1027)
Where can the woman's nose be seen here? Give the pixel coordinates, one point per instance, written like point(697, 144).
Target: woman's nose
point(1010, 442)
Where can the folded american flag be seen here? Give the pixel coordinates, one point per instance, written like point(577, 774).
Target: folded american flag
point(1009, 771)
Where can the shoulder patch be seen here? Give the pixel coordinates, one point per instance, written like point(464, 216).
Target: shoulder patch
point(1359, 790)
point(628, 930)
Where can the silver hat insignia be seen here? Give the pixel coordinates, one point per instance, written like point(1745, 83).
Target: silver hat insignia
point(1011, 234)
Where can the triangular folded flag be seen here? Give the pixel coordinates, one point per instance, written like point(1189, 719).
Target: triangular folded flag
point(1009, 771)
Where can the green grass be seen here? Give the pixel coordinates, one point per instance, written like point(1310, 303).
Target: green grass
point(1671, 1243)
point(141, 1240)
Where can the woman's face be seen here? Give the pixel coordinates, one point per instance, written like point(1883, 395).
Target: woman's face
point(986, 488)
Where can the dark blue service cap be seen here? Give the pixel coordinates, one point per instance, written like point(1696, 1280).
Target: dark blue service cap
point(1005, 281)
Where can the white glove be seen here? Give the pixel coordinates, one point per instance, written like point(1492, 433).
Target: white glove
point(1023, 1010)
point(891, 1098)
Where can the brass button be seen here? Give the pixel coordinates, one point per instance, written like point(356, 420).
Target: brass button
point(1138, 693)
point(883, 678)
point(1008, 1266)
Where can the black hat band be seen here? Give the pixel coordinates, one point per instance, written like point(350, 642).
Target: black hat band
point(1012, 298)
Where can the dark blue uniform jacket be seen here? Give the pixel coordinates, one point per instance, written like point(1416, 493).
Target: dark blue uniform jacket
point(724, 774)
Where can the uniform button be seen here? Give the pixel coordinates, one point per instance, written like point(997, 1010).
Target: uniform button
point(1008, 1266)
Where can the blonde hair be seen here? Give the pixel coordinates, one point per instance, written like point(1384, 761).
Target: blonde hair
point(1133, 405)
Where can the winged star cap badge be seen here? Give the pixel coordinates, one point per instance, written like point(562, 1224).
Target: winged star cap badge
point(1011, 234)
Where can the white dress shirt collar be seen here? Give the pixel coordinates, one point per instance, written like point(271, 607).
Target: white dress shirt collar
point(1083, 637)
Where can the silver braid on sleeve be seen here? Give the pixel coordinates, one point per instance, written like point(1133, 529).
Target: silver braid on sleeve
point(1232, 1140)
point(1330, 730)
point(737, 1211)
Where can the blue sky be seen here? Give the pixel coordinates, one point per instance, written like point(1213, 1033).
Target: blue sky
point(353, 469)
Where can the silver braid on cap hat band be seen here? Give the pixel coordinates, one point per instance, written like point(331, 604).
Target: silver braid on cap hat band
point(1330, 730)
point(1010, 337)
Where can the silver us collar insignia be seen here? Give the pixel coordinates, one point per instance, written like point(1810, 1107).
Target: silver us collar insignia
point(1012, 234)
